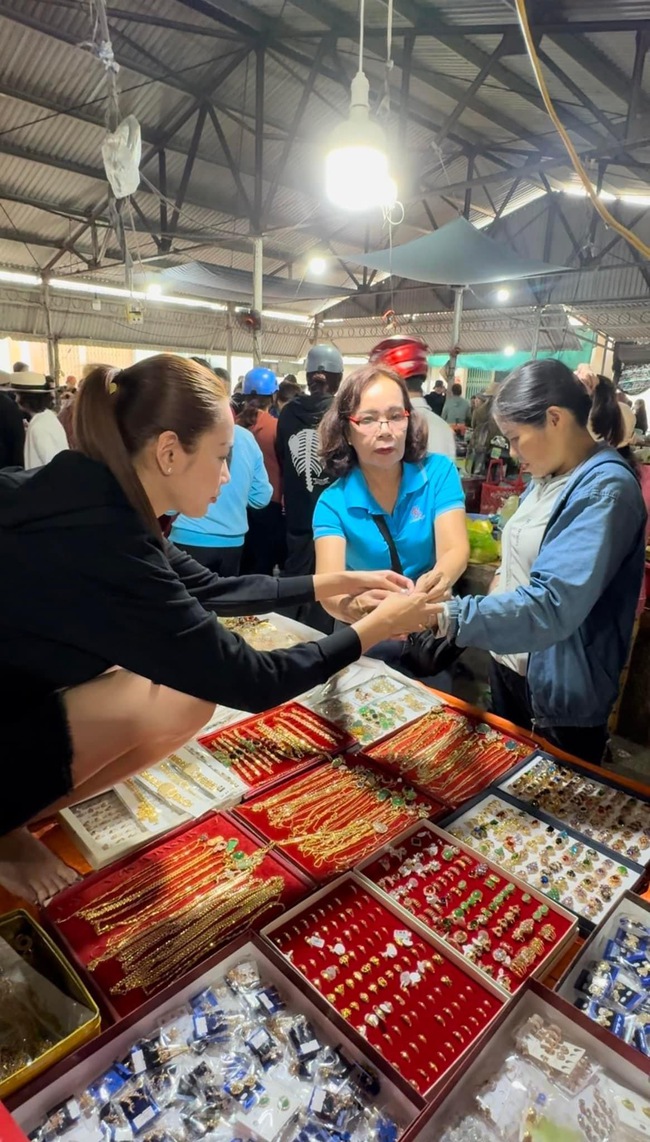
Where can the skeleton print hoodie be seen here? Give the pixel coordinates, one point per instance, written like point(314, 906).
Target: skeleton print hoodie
point(297, 447)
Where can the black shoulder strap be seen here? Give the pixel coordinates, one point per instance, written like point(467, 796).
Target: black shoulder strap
point(395, 561)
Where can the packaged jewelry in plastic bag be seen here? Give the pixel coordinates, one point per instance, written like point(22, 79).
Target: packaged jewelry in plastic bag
point(620, 1025)
point(271, 1113)
point(244, 978)
point(632, 935)
point(269, 1000)
point(264, 1047)
point(340, 1109)
point(641, 1038)
point(138, 1106)
point(148, 1055)
point(564, 1062)
point(106, 1087)
point(610, 984)
point(470, 1129)
point(60, 1120)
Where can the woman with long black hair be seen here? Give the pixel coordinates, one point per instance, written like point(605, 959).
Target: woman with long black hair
point(561, 613)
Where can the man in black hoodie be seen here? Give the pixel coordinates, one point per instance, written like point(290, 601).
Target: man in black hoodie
point(303, 475)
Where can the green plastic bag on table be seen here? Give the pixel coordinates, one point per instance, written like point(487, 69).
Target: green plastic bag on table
point(483, 547)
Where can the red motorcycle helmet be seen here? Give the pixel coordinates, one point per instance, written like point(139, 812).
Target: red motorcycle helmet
point(407, 356)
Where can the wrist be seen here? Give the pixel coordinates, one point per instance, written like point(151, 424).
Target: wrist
point(330, 583)
point(371, 629)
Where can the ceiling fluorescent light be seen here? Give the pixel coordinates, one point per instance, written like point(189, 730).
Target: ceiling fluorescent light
point(15, 278)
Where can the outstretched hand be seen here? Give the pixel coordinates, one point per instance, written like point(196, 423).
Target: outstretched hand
point(435, 585)
point(360, 582)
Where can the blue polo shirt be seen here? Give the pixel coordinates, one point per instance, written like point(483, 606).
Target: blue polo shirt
point(427, 490)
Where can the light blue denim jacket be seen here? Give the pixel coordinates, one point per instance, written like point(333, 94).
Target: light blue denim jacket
point(575, 618)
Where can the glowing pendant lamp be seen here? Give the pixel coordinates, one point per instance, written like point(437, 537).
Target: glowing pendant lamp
point(357, 175)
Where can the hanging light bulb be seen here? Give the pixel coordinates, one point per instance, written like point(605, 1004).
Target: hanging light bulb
point(357, 174)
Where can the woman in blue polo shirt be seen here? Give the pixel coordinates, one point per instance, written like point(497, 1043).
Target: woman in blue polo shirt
point(391, 499)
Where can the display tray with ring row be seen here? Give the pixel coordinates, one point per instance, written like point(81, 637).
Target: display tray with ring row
point(574, 1061)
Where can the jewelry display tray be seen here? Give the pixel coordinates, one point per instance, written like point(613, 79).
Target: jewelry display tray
point(438, 809)
point(346, 1028)
point(628, 905)
point(601, 777)
point(585, 926)
point(293, 767)
point(367, 752)
point(621, 1061)
point(109, 1012)
point(555, 951)
point(32, 1104)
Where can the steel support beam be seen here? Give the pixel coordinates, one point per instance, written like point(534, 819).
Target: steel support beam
point(324, 47)
point(637, 81)
point(577, 249)
point(472, 54)
point(467, 204)
point(474, 86)
point(232, 165)
point(578, 93)
point(598, 259)
point(503, 206)
point(591, 59)
point(259, 140)
point(189, 165)
point(162, 186)
point(405, 89)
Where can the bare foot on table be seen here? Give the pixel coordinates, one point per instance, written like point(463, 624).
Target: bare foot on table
point(29, 869)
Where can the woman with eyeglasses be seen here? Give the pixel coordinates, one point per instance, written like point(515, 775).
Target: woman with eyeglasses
point(392, 503)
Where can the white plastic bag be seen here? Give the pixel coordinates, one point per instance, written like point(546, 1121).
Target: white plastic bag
point(121, 153)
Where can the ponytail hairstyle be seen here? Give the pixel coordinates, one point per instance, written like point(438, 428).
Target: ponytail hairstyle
point(529, 391)
point(119, 411)
point(606, 417)
point(253, 403)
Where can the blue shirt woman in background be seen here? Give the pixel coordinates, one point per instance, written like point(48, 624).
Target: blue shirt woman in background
point(217, 540)
point(390, 497)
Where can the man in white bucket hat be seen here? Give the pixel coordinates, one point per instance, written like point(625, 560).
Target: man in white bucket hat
point(45, 436)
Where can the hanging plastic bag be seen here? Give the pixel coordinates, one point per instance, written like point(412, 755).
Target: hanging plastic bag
point(121, 153)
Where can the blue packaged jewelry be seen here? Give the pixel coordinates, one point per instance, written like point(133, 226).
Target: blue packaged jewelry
point(641, 1037)
point(620, 1025)
point(108, 1085)
point(264, 1046)
point(139, 1107)
point(270, 1000)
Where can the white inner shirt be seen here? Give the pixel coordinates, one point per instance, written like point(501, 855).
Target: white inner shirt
point(520, 544)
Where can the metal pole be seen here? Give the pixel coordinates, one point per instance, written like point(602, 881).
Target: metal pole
point(455, 331)
point(605, 349)
point(229, 317)
point(53, 365)
point(258, 268)
point(537, 331)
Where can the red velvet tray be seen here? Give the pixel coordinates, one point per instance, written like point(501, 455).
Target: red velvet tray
point(85, 944)
point(471, 757)
point(261, 768)
point(306, 838)
point(420, 1008)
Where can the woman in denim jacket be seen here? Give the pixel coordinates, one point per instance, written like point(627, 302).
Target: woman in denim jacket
point(561, 611)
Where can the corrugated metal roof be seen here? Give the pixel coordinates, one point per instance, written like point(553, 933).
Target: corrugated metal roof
point(158, 60)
